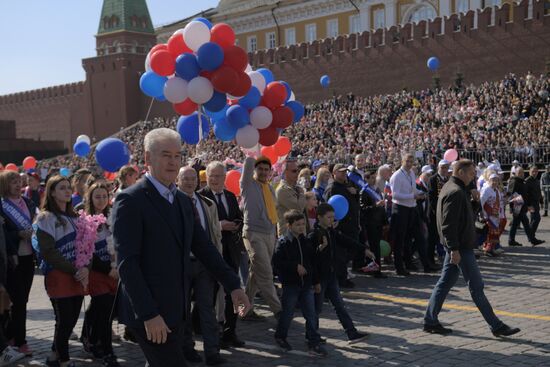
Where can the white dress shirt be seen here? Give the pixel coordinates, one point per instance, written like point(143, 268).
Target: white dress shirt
point(166, 192)
point(403, 188)
point(197, 202)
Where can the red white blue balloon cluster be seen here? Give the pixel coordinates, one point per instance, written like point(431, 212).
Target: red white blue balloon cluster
point(207, 78)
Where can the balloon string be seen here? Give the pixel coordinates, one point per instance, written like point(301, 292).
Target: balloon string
point(200, 130)
point(149, 110)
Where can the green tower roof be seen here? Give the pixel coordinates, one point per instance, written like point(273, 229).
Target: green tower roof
point(125, 15)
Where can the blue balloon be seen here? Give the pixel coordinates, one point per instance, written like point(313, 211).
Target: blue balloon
point(81, 148)
point(210, 56)
point(224, 131)
point(433, 63)
point(205, 21)
point(288, 90)
point(65, 172)
point(340, 205)
point(188, 127)
point(267, 74)
point(152, 84)
point(237, 116)
point(297, 108)
point(161, 98)
point(111, 154)
point(217, 115)
point(217, 102)
point(325, 81)
point(187, 66)
point(251, 99)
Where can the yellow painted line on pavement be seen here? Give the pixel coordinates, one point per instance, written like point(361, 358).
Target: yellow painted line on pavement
point(451, 306)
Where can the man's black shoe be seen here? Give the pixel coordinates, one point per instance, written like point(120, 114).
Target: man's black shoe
point(411, 267)
point(356, 337)
point(537, 242)
point(402, 272)
point(514, 244)
point(347, 284)
point(505, 330)
point(437, 329)
point(283, 344)
point(192, 356)
point(215, 359)
point(231, 341)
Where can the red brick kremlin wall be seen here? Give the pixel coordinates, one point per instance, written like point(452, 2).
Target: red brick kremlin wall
point(365, 64)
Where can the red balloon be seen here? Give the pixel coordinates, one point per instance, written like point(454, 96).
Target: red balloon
point(163, 63)
point(283, 146)
point(29, 163)
point(232, 182)
point(11, 167)
point(268, 136)
point(243, 86)
point(223, 35)
point(231, 102)
point(235, 57)
point(109, 176)
point(282, 117)
point(207, 74)
point(274, 95)
point(224, 79)
point(269, 152)
point(176, 45)
point(186, 107)
point(160, 46)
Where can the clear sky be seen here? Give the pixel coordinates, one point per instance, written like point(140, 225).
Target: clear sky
point(42, 42)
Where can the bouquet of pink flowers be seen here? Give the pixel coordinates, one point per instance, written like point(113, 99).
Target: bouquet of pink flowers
point(86, 235)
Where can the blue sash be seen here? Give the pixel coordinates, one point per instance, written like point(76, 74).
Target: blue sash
point(372, 193)
point(65, 245)
point(16, 215)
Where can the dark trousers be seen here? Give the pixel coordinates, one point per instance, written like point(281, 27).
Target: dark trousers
point(374, 235)
point(19, 285)
point(546, 200)
point(230, 324)
point(97, 328)
point(169, 354)
point(202, 290)
point(302, 295)
point(330, 288)
point(449, 275)
point(405, 224)
point(433, 239)
point(535, 219)
point(521, 218)
point(66, 312)
point(3, 340)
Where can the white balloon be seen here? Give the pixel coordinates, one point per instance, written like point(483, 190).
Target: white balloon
point(292, 96)
point(83, 138)
point(258, 80)
point(175, 90)
point(200, 90)
point(178, 32)
point(247, 137)
point(148, 62)
point(248, 68)
point(261, 117)
point(196, 34)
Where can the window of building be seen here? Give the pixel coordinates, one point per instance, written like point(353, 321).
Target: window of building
point(462, 6)
point(311, 32)
point(379, 18)
point(270, 40)
point(354, 23)
point(332, 28)
point(290, 36)
point(252, 43)
point(422, 13)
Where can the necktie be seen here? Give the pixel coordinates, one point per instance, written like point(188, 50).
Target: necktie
point(196, 212)
point(221, 208)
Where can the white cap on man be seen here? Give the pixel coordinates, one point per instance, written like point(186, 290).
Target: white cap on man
point(443, 162)
point(427, 169)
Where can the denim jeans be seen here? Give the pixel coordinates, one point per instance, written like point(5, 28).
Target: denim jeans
point(472, 276)
point(302, 295)
point(329, 286)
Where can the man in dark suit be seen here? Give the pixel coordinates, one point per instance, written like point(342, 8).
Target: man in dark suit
point(154, 230)
point(231, 219)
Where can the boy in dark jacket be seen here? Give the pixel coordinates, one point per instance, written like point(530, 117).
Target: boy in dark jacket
point(324, 239)
point(293, 261)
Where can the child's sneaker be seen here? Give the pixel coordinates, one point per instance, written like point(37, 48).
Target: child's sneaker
point(372, 267)
point(317, 351)
point(10, 355)
point(283, 344)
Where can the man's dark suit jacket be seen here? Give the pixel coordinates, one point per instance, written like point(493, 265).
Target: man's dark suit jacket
point(153, 255)
point(232, 241)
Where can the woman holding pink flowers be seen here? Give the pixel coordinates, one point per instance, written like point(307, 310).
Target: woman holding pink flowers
point(55, 241)
point(97, 330)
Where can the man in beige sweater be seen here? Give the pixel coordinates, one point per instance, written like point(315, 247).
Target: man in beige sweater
point(289, 194)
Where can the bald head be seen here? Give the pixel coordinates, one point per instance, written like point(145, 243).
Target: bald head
point(187, 180)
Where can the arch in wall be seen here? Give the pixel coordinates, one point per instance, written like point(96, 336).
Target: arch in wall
point(423, 11)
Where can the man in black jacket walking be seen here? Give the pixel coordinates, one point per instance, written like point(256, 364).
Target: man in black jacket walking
point(455, 224)
point(534, 195)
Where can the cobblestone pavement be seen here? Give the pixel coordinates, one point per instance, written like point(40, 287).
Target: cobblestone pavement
point(390, 310)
